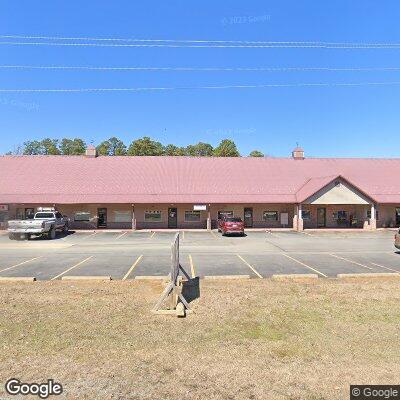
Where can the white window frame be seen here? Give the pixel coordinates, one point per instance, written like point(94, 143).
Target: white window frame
point(153, 212)
point(196, 212)
point(122, 213)
point(270, 219)
point(82, 212)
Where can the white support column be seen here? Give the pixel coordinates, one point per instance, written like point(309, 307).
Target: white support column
point(295, 218)
point(209, 217)
point(372, 221)
point(300, 218)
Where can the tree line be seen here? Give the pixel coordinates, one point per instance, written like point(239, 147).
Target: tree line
point(144, 146)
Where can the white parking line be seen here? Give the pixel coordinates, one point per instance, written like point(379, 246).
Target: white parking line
point(305, 265)
point(351, 261)
point(192, 267)
point(121, 235)
point(213, 234)
point(94, 233)
point(21, 263)
point(382, 266)
point(133, 267)
point(251, 267)
point(71, 268)
point(152, 235)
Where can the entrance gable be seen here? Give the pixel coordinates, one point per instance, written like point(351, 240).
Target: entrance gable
point(338, 192)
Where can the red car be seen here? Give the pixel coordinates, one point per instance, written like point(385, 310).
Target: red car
point(228, 225)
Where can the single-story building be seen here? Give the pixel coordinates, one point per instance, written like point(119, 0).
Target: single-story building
point(193, 192)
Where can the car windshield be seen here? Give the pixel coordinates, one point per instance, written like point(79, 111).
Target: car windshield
point(44, 215)
point(233, 220)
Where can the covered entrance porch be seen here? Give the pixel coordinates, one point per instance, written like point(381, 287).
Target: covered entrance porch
point(337, 205)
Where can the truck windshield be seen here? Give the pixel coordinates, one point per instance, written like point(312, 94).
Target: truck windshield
point(44, 215)
point(233, 220)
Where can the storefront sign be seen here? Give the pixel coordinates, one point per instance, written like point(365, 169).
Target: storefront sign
point(200, 207)
point(3, 207)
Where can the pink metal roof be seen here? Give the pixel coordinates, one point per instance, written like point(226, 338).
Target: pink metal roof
point(79, 179)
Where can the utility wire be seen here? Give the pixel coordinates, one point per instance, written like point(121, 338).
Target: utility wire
point(318, 43)
point(138, 89)
point(251, 69)
point(163, 45)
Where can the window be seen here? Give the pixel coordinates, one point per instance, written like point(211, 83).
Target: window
point(152, 216)
point(341, 215)
point(270, 215)
point(306, 214)
point(369, 214)
point(29, 213)
point(229, 219)
point(192, 216)
point(122, 216)
point(225, 214)
point(82, 216)
point(44, 215)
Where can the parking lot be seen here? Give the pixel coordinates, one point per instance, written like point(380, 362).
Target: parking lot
point(129, 255)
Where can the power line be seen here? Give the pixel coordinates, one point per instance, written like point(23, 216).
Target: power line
point(211, 69)
point(138, 89)
point(278, 45)
point(317, 43)
point(144, 40)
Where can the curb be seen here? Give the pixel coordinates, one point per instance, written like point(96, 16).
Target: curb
point(151, 278)
point(230, 277)
point(18, 279)
point(294, 277)
point(86, 278)
point(370, 275)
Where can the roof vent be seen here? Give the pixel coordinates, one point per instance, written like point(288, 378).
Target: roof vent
point(91, 151)
point(298, 153)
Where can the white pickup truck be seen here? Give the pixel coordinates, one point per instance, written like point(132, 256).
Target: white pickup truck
point(44, 223)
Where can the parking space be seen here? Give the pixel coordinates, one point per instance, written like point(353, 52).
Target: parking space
point(260, 254)
point(44, 267)
point(380, 262)
point(330, 265)
point(219, 265)
point(152, 265)
point(104, 265)
point(271, 264)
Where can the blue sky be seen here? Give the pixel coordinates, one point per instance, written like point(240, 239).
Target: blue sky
point(327, 121)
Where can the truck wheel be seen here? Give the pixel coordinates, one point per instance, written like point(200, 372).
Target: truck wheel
point(52, 233)
point(65, 229)
point(11, 236)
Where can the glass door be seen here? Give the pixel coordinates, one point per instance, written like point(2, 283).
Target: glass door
point(102, 217)
point(172, 218)
point(321, 217)
point(248, 217)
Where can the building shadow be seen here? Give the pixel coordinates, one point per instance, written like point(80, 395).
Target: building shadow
point(59, 235)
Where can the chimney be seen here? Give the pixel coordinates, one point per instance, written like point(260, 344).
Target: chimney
point(91, 151)
point(298, 153)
